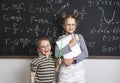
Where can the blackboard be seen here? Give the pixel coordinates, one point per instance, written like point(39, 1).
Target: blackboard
point(22, 22)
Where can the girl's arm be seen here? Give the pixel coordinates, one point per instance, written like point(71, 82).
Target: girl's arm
point(64, 50)
point(84, 50)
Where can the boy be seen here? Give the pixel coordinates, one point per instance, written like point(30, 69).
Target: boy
point(43, 67)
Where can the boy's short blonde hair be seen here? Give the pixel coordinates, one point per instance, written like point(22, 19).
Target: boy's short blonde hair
point(41, 39)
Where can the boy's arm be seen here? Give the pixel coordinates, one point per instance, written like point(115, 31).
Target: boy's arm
point(32, 77)
point(32, 71)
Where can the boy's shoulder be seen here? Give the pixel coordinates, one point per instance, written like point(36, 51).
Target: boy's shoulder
point(37, 58)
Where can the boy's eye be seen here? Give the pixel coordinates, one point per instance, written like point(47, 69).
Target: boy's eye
point(44, 46)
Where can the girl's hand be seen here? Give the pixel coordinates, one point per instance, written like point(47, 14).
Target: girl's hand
point(73, 41)
point(68, 61)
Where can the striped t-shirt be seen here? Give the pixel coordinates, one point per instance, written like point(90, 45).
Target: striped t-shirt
point(44, 69)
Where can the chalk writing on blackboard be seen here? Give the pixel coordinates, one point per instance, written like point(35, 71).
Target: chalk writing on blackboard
point(23, 22)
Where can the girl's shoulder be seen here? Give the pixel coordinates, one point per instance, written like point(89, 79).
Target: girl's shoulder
point(60, 37)
point(79, 36)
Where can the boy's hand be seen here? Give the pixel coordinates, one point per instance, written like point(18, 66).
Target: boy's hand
point(59, 62)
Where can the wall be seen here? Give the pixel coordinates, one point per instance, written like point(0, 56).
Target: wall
point(14, 70)
point(102, 70)
point(97, 70)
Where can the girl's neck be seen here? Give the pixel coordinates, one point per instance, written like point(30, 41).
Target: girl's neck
point(68, 33)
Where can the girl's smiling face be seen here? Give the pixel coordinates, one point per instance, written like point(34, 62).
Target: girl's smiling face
point(69, 25)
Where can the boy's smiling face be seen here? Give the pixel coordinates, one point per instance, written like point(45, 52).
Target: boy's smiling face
point(44, 47)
